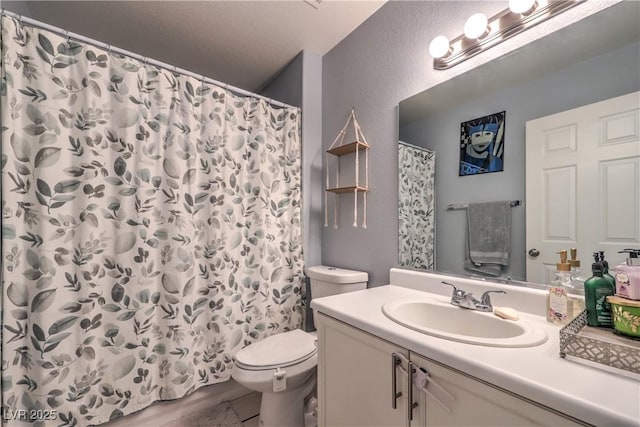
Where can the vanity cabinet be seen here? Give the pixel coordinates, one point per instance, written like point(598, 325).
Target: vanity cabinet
point(355, 388)
point(477, 402)
point(355, 375)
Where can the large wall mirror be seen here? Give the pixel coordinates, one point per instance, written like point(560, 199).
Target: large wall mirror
point(592, 60)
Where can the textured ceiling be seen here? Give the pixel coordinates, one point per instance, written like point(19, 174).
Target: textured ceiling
point(243, 43)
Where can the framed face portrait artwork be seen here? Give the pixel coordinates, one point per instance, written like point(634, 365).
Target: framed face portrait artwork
point(482, 145)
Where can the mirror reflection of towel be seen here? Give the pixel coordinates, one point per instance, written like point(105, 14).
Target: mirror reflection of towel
point(488, 240)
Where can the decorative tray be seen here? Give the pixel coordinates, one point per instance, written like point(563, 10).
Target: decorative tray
point(600, 348)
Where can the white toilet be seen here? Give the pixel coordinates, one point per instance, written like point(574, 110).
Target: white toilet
point(283, 367)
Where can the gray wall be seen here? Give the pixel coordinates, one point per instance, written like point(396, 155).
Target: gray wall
point(312, 156)
point(19, 7)
point(612, 74)
point(383, 61)
point(380, 63)
point(286, 86)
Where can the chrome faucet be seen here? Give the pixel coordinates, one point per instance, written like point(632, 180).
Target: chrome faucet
point(464, 299)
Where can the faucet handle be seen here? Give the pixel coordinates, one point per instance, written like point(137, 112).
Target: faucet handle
point(456, 291)
point(486, 298)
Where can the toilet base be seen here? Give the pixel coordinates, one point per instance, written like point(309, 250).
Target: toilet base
point(286, 408)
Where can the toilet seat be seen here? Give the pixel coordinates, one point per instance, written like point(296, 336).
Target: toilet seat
point(277, 351)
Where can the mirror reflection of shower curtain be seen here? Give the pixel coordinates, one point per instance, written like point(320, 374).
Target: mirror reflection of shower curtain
point(416, 207)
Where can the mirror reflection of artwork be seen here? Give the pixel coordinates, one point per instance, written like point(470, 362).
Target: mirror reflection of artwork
point(482, 145)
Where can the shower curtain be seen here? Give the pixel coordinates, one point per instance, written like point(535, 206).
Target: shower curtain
point(150, 229)
point(416, 207)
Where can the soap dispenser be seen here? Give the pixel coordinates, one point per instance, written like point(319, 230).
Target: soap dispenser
point(596, 290)
point(564, 301)
point(628, 276)
point(605, 269)
point(576, 272)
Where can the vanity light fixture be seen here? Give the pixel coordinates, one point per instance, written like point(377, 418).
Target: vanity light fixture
point(481, 33)
point(439, 47)
point(521, 6)
point(476, 26)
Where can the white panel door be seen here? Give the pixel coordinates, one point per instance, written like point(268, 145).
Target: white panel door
point(583, 184)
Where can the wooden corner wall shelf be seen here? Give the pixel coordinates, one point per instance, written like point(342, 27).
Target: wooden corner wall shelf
point(338, 148)
point(342, 190)
point(348, 148)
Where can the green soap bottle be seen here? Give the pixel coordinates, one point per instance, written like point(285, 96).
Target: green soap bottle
point(596, 290)
point(605, 269)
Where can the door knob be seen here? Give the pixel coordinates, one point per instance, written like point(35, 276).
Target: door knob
point(534, 252)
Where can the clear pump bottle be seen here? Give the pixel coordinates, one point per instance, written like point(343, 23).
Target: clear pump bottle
point(564, 301)
point(577, 276)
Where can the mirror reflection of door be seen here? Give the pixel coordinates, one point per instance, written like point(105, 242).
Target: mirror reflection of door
point(583, 183)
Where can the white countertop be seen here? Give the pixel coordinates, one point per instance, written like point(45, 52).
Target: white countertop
point(536, 373)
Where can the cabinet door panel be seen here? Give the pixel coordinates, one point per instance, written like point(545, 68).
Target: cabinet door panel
point(479, 404)
point(355, 378)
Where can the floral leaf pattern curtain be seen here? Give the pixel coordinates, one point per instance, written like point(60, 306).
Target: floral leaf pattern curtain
point(150, 229)
point(416, 207)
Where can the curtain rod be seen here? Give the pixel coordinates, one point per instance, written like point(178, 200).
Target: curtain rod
point(105, 46)
point(417, 147)
point(457, 206)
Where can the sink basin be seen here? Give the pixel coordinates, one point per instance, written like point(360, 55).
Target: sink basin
point(444, 320)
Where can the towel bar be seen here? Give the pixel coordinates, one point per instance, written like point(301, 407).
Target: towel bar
point(457, 206)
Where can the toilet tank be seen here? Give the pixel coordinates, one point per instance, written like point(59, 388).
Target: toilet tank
point(325, 280)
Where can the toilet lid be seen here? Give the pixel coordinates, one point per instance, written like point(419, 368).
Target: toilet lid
point(278, 351)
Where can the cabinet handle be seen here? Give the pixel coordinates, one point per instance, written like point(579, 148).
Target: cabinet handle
point(395, 394)
point(412, 405)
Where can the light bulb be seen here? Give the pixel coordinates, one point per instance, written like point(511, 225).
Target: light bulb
point(521, 6)
point(475, 26)
point(439, 47)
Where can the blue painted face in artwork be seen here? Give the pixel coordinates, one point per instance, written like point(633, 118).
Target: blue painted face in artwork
point(481, 137)
point(482, 145)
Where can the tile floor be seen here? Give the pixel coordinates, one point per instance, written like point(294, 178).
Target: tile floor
point(248, 409)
